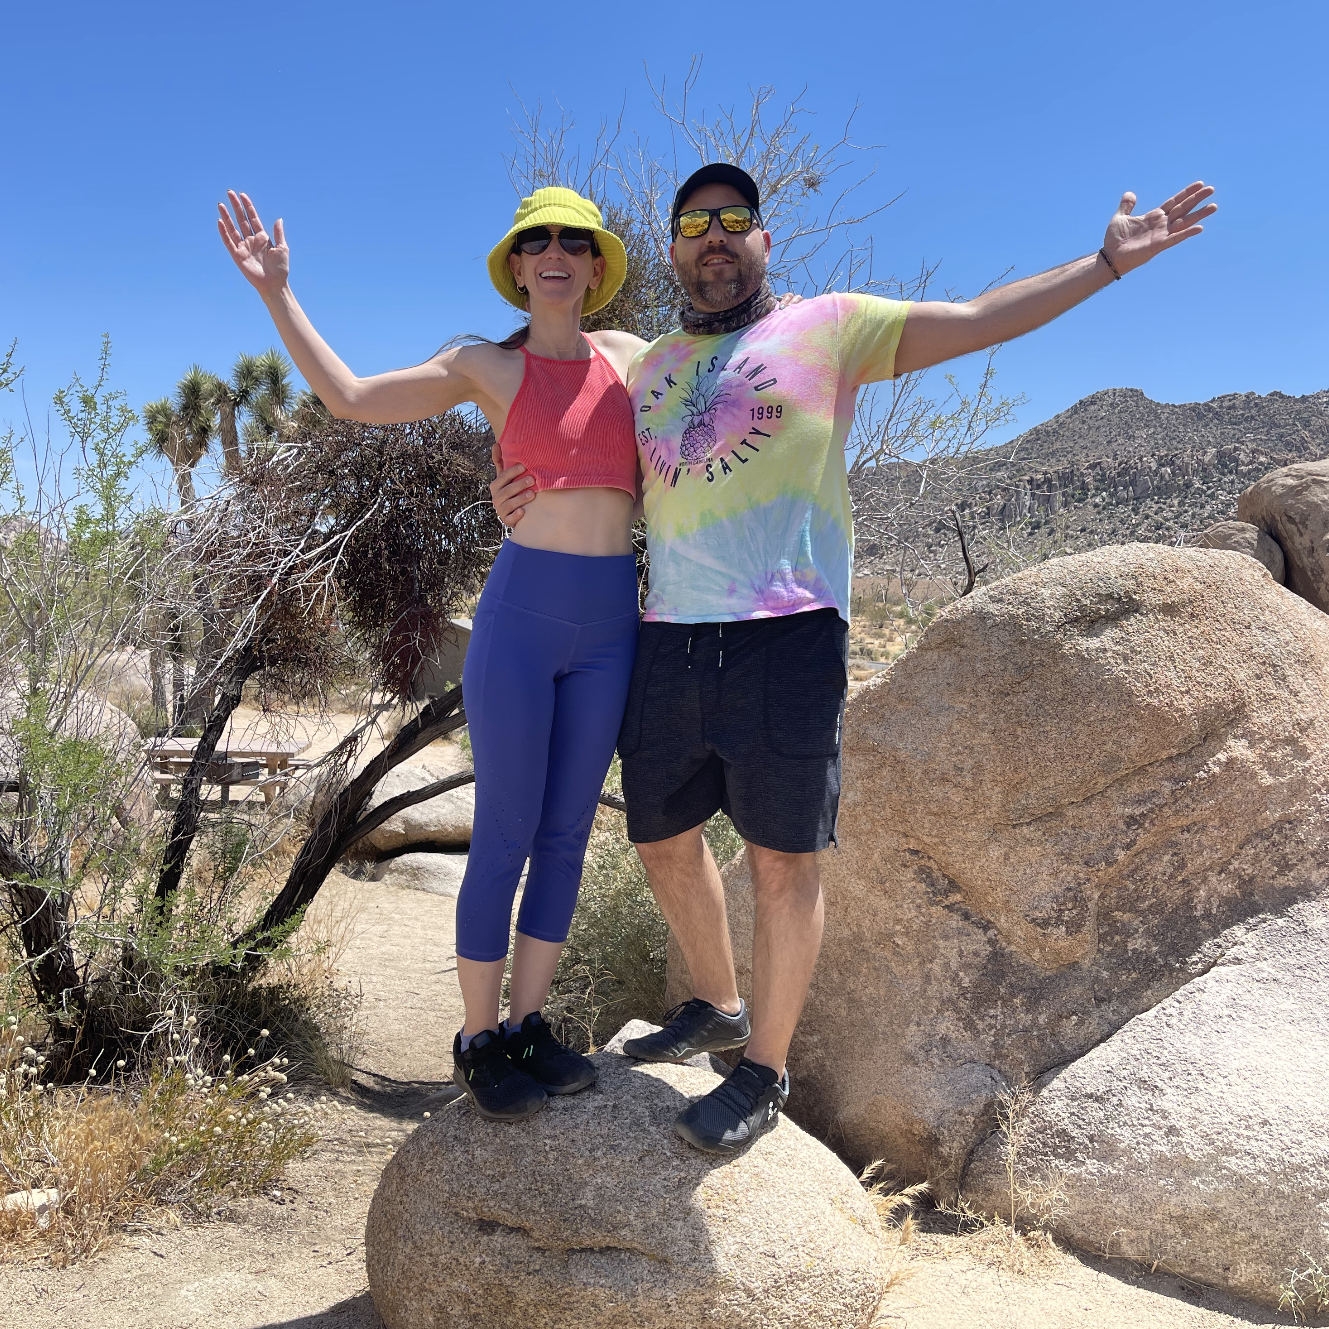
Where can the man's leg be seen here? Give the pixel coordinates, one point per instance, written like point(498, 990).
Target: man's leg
point(687, 887)
point(775, 724)
point(787, 892)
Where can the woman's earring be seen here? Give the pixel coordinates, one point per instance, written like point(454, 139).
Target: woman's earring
point(522, 289)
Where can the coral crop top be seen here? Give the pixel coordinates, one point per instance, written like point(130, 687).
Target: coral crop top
point(570, 425)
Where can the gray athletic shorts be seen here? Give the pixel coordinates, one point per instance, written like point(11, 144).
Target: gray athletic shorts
point(739, 717)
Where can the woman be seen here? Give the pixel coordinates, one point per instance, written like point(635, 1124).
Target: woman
point(550, 656)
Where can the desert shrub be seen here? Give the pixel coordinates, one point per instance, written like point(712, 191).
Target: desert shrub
point(613, 966)
point(187, 1135)
point(328, 554)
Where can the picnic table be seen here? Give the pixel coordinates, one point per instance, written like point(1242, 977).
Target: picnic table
point(262, 762)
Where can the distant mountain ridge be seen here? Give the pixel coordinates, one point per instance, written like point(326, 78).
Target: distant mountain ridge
point(1119, 467)
point(1123, 422)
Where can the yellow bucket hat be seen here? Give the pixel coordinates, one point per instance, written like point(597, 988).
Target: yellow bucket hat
point(561, 207)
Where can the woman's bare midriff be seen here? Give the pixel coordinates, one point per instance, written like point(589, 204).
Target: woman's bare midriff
point(594, 522)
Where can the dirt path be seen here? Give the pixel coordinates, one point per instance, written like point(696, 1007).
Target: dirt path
point(294, 1259)
point(947, 1287)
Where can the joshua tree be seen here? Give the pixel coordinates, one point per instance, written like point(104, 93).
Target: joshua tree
point(271, 409)
point(168, 440)
point(181, 429)
point(230, 398)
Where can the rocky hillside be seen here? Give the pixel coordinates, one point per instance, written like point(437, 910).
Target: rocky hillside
point(1118, 467)
point(1123, 422)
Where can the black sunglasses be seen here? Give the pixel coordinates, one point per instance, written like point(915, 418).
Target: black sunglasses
point(572, 240)
point(736, 218)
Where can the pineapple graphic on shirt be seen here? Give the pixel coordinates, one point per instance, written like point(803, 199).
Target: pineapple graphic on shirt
point(701, 401)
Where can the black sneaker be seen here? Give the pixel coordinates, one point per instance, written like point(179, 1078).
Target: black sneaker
point(736, 1112)
point(556, 1068)
point(692, 1027)
point(497, 1089)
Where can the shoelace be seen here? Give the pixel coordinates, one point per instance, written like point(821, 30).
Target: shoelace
point(543, 1035)
point(741, 1098)
point(491, 1061)
point(675, 1014)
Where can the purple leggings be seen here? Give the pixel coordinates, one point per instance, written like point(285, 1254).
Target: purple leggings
point(544, 685)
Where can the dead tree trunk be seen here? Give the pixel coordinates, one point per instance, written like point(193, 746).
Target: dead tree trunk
point(189, 810)
point(42, 916)
point(341, 825)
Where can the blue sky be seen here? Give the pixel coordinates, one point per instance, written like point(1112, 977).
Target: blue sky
point(378, 133)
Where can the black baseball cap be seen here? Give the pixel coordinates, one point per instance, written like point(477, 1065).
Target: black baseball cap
point(717, 173)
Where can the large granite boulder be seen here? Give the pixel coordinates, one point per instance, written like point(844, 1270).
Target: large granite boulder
point(1245, 539)
point(1079, 778)
point(89, 718)
point(593, 1215)
point(1292, 504)
point(443, 822)
point(435, 872)
point(1198, 1134)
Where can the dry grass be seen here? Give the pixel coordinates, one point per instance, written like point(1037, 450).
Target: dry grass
point(1020, 1240)
point(1306, 1291)
point(308, 974)
point(178, 1141)
point(896, 1210)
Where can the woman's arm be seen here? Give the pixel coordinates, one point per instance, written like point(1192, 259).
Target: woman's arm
point(445, 381)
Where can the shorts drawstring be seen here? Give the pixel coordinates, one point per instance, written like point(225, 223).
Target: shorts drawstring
point(721, 664)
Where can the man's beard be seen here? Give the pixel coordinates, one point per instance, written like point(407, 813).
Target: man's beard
point(723, 293)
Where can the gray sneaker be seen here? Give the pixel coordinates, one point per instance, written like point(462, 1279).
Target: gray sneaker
point(691, 1027)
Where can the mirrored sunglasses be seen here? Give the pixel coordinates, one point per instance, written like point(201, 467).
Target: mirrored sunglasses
point(572, 240)
point(735, 218)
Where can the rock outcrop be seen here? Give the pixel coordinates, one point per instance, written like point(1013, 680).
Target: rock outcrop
point(437, 873)
point(1196, 1136)
point(593, 1215)
point(1114, 467)
point(1079, 778)
point(1244, 538)
point(1292, 504)
point(442, 668)
point(1123, 422)
point(443, 822)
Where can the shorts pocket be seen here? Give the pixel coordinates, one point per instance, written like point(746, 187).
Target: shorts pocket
point(806, 677)
point(629, 734)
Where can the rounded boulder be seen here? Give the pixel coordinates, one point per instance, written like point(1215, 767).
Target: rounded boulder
point(443, 821)
point(1053, 809)
point(1292, 505)
point(1244, 538)
point(593, 1215)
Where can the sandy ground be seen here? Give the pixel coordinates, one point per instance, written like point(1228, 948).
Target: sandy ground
point(294, 1259)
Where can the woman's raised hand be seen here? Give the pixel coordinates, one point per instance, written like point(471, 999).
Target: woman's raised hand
point(265, 262)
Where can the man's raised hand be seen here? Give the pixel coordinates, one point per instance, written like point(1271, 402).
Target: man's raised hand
point(265, 262)
point(511, 490)
point(1132, 241)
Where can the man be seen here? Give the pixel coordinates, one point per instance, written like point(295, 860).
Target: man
point(740, 680)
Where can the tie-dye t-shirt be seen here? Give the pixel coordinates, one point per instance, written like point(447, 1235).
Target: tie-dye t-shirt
point(741, 437)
